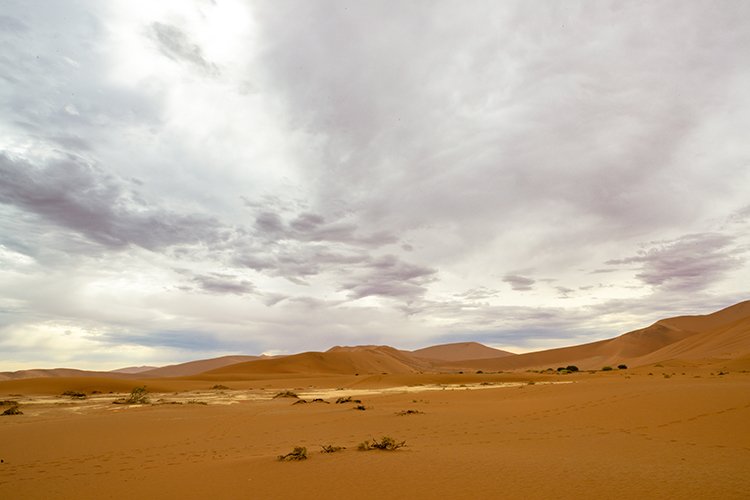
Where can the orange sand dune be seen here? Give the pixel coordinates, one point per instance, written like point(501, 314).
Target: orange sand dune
point(59, 372)
point(723, 334)
point(193, 367)
point(338, 361)
point(460, 351)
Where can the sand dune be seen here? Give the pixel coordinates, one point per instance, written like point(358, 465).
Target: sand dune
point(59, 372)
point(134, 369)
point(460, 351)
point(198, 366)
point(723, 334)
point(340, 360)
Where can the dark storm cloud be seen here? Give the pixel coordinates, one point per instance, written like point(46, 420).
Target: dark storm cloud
point(176, 45)
point(518, 282)
point(80, 197)
point(690, 263)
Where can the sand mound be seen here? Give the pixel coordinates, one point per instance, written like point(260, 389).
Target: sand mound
point(460, 351)
point(194, 367)
point(724, 334)
point(363, 360)
point(59, 372)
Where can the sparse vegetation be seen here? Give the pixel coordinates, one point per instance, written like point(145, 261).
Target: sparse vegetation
point(13, 410)
point(329, 448)
point(622, 367)
point(571, 368)
point(74, 394)
point(219, 387)
point(408, 412)
point(386, 443)
point(300, 402)
point(298, 453)
point(196, 402)
point(606, 368)
point(138, 396)
point(286, 394)
point(347, 399)
point(360, 407)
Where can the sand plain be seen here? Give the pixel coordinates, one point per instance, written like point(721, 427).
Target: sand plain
point(681, 432)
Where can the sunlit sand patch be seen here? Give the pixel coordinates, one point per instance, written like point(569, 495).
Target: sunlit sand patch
point(40, 405)
point(330, 393)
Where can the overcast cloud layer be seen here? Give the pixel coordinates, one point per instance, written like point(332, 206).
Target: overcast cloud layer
point(189, 179)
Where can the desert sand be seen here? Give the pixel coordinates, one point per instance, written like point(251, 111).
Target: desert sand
point(674, 424)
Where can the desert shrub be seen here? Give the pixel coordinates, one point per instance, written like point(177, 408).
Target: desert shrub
point(300, 402)
point(298, 453)
point(74, 394)
point(360, 407)
point(560, 368)
point(479, 372)
point(138, 396)
point(320, 400)
point(606, 368)
point(347, 399)
point(329, 448)
point(408, 412)
point(196, 402)
point(220, 387)
point(571, 368)
point(386, 443)
point(622, 367)
point(286, 394)
point(13, 410)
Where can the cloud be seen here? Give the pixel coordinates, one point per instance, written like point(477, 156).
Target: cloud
point(175, 44)
point(294, 175)
point(388, 276)
point(687, 264)
point(518, 282)
point(82, 198)
point(224, 283)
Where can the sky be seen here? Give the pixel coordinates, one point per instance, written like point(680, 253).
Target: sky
point(188, 179)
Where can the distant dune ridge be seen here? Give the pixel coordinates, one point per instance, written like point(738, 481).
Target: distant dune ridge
point(195, 367)
point(723, 335)
point(460, 351)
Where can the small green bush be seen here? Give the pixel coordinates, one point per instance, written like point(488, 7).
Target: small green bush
point(572, 368)
point(386, 443)
point(298, 453)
